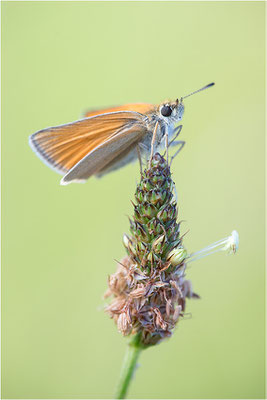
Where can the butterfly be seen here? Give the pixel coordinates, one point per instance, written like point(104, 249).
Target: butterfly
point(108, 139)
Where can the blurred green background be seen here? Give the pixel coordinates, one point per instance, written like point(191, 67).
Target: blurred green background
point(59, 243)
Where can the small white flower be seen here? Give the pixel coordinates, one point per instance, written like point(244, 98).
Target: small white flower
point(229, 244)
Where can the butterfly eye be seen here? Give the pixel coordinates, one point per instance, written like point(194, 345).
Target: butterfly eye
point(166, 111)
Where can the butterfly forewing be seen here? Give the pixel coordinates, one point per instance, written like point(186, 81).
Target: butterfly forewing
point(62, 147)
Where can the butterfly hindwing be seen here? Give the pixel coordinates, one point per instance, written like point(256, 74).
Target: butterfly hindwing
point(106, 153)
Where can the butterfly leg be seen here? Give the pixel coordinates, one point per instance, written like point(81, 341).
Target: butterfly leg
point(172, 143)
point(153, 143)
point(167, 146)
point(139, 158)
point(181, 143)
point(176, 133)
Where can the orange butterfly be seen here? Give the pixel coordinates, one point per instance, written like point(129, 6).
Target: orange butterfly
point(107, 139)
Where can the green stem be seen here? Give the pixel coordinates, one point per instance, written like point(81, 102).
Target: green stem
point(128, 367)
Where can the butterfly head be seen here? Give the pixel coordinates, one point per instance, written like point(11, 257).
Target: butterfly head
point(172, 112)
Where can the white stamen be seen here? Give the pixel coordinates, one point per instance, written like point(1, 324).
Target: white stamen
point(233, 242)
point(229, 244)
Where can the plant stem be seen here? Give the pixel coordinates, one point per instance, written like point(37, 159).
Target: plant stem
point(128, 367)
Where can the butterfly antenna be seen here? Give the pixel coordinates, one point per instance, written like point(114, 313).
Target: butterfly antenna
point(199, 90)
